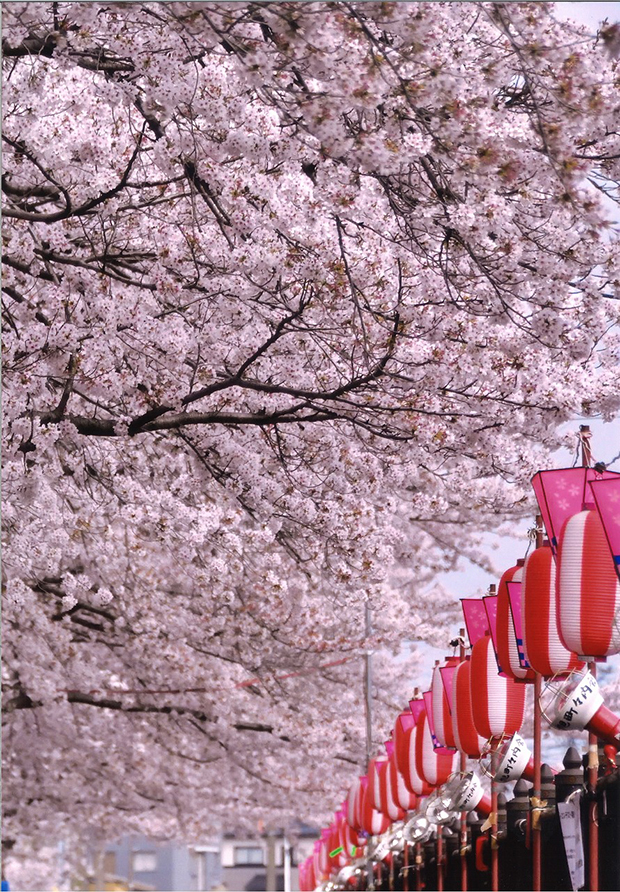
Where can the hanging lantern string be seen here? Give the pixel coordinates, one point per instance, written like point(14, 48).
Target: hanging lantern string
point(585, 441)
point(250, 682)
point(613, 461)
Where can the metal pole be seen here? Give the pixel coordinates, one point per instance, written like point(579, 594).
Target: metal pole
point(463, 767)
point(536, 792)
point(271, 862)
point(287, 864)
point(593, 804)
point(406, 867)
point(494, 806)
point(586, 459)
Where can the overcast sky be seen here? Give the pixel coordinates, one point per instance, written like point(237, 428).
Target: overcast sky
point(589, 13)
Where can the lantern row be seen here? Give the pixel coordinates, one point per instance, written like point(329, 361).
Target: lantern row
point(553, 612)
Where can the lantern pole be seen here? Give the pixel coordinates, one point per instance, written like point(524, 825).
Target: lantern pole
point(463, 767)
point(494, 808)
point(585, 437)
point(494, 803)
point(439, 846)
point(536, 792)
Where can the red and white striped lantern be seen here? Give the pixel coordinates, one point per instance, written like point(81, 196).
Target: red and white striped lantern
point(442, 719)
point(507, 651)
point(414, 782)
point(392, 807)
point(374, 782)
point(432, 767)
point(588, 589)
point(404, 754)
point(466, 736)
point(400, 794)
point(545, 652)
point(498, 703)
point(354, 805)
point(350, 840)
point(373, 822)
point(321, 857)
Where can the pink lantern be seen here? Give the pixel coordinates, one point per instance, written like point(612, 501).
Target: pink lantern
point(545, 652)
point(476, 619)
point(588, 589)
point(498, 703)
point(466, 736)
point(561, 493)
point(432, 766)
point(507, 649)
point(607, 497)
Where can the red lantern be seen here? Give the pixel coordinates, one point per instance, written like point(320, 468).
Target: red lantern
point(400, 794)
point(414, 782)
point(507, 650)
point(442, 718)
point(498, 703)
point(373, 822)
point(374, 783)
point(392, 807)
point(432, 767)
point(400, 739)
point(588, 589)
point(350, 840)
point(466, 736)
point(545, 652)
point(354, 810)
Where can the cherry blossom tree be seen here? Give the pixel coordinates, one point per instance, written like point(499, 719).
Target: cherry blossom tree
point(295, 297)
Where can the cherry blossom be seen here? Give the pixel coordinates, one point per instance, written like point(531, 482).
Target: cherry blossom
point(295, 298)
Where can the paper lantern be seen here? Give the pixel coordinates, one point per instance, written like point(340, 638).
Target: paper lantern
point(432, 766)
point(442, 719)
point(404, 736)
point(466, 736)
point(576, 704)
point(413, 779)
point(374, 782)
point(545, 652)
point(498, 703)
point(373, 822)
point(465, 793)
point(350, 840)
point(354, 812)
point(507, 650)
point(400, 794)
point(392, 806)
point(588, 589)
